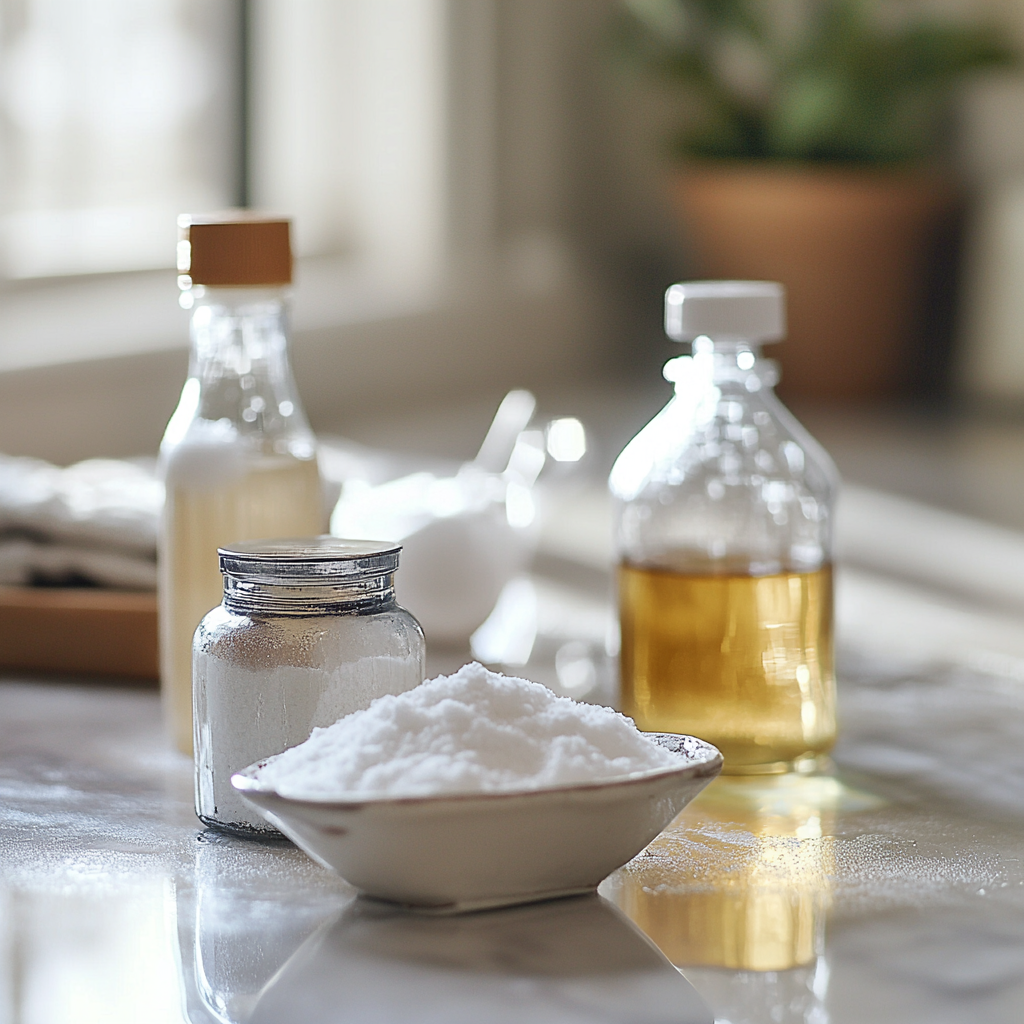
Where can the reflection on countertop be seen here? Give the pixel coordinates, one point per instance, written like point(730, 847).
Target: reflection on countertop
point(743, 879)
point(242, 911)
point(569, 960)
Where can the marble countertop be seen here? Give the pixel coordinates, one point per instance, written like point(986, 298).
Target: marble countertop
point(891, 889)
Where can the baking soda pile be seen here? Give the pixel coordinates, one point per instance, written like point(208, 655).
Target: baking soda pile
point(473, 731)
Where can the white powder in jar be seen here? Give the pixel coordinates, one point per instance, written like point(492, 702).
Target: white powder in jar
point(473, 731)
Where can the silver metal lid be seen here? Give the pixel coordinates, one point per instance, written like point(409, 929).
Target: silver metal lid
point(298, 561)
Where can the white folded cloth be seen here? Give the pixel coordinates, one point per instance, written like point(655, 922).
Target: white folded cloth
point(26, 562)
point(94, 522)
point(112, 503)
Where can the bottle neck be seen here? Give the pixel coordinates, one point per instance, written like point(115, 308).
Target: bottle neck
point(722, 362)
point(238, 331)
point(339, 597)
point(239, 370)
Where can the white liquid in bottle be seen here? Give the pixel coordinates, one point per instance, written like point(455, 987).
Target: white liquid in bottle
point(275, 497)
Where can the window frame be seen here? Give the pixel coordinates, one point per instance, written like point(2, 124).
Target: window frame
point(467, 255)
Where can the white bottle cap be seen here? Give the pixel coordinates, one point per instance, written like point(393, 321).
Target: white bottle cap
point(735, 310)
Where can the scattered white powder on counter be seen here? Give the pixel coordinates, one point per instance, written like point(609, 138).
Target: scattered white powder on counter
point(473, 731)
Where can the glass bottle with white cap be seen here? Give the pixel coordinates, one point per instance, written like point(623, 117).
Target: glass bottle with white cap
point(724, 537)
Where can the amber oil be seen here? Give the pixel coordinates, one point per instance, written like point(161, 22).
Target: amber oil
point(745, 662)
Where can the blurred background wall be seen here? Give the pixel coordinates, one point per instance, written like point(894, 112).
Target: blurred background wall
point(478, 189)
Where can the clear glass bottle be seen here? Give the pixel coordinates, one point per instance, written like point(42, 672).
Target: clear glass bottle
point(238, 457)
point(308, 631)
point(724, 538)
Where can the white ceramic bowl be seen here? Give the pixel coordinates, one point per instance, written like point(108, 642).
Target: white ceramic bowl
point(468, 851)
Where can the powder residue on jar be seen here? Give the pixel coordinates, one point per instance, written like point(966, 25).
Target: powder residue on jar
point(473, 731)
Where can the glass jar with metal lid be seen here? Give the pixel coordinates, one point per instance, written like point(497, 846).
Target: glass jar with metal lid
point(308, 632)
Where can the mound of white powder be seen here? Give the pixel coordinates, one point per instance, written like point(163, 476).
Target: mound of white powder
point(473, 731)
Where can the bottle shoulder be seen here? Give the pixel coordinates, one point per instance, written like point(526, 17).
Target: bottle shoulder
point(203, 461)
point(240, 389)
point(725, 438)
point(727, 481)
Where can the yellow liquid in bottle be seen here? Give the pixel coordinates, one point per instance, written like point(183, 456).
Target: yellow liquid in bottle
point(744, 662)
point(278, 497)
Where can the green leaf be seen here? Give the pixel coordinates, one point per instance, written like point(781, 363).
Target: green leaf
point(847, 86)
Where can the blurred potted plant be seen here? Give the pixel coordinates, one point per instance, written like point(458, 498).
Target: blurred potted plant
point(810, 153)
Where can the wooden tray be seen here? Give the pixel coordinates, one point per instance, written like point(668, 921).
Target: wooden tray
point(79, 631)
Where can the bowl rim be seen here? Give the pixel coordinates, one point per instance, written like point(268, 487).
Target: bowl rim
point(697, 767)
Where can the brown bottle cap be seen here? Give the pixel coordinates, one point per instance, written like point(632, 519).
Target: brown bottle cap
point(234, 248)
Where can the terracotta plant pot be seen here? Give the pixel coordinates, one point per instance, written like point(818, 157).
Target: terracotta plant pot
point(854, 248)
